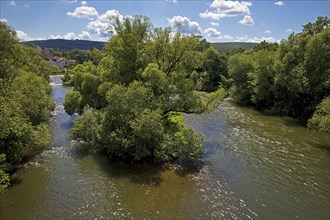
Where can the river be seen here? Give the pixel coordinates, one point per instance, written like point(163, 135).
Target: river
point(256, 167)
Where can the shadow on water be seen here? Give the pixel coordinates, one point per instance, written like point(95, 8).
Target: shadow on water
point(325, 147)
point(296, 123)
point(15, 180)
point(144, 173)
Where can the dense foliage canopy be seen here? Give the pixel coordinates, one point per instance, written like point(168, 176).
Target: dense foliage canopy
point(132, 99)
point(290, 78)
point(25, 102)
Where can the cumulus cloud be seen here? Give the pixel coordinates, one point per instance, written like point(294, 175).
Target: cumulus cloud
point(84, 35)
point(22, 36)
point(100, 28)
point(289, 30)
point(228, 37)
point(247, 20)
point(279, 3)
point(184, 25)
point(84, 12)
point(103, 25)
point(4, 20)
point(12, 3)
point(223, 9)
point(172, 1)
point(268, 32)
point(216, 24)
point(83, 3)
point(52, 37)
point(109, 15)
point(212, 32)
point(246, 38)
point(69, 36)
point(71, 1)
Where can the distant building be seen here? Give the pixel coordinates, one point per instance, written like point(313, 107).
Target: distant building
point(60, 62)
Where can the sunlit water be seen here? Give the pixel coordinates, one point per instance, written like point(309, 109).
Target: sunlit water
point(256, 167)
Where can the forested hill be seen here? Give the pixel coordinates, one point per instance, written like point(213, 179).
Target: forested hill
point(89, 45)
point(67, 44)
point(224, 47)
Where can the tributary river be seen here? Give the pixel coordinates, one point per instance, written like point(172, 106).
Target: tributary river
point(256, 167)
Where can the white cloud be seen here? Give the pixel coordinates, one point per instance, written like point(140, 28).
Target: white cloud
point(289, 30)
point(100, 28)
point(84, 12)
point(245, 38)
point(22, 36)
point(52, 37)
point(247, 20)
point(83, 3)
point(4, 20)
point(12, 3)
point(216, 24)
point(184, 25)
point(223, 9)
point(103, 25)
point(71, 1)
point(212, 32)
point(172, 1)
point(109, 15)
point(268, 32)
point(279, 3)
point(69, 36)
point(228, 37)
point(84, 35)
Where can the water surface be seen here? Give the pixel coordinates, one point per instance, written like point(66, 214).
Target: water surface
point(256, 167)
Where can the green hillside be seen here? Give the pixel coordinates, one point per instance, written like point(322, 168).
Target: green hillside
point(67, 44)
point(223, 47)
point(88, 45)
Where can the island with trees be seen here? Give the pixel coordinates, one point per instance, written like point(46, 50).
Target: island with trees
point(132, 96)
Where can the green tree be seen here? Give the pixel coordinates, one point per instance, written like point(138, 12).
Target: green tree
point(25, 103)
point(72, 102)
point(4, 177)
point(320, 120)
point(239, 67)
point(216, 67)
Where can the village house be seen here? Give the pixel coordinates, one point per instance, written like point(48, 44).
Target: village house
point(60, 62)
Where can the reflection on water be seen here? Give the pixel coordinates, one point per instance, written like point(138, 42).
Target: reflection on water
point(256, 166)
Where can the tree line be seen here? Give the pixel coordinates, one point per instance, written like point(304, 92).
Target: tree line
point(25, 102)
point(290, 78)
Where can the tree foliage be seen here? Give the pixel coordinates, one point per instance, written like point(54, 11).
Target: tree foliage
point(131, 106)
point(321, 117)
point(25, 102)
point(288, 78)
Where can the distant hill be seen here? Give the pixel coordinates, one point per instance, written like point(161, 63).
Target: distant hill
point(67, 44)
point(88, 45)
point(224, 47)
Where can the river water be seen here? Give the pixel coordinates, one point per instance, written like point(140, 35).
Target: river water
point(256, 167)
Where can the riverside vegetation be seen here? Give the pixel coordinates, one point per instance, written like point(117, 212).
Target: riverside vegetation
point(25, 102)
point(131, 96)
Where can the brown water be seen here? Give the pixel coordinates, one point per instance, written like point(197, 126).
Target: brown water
point(256, 167)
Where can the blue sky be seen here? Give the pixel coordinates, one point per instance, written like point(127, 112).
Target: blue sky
point(216, 20)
